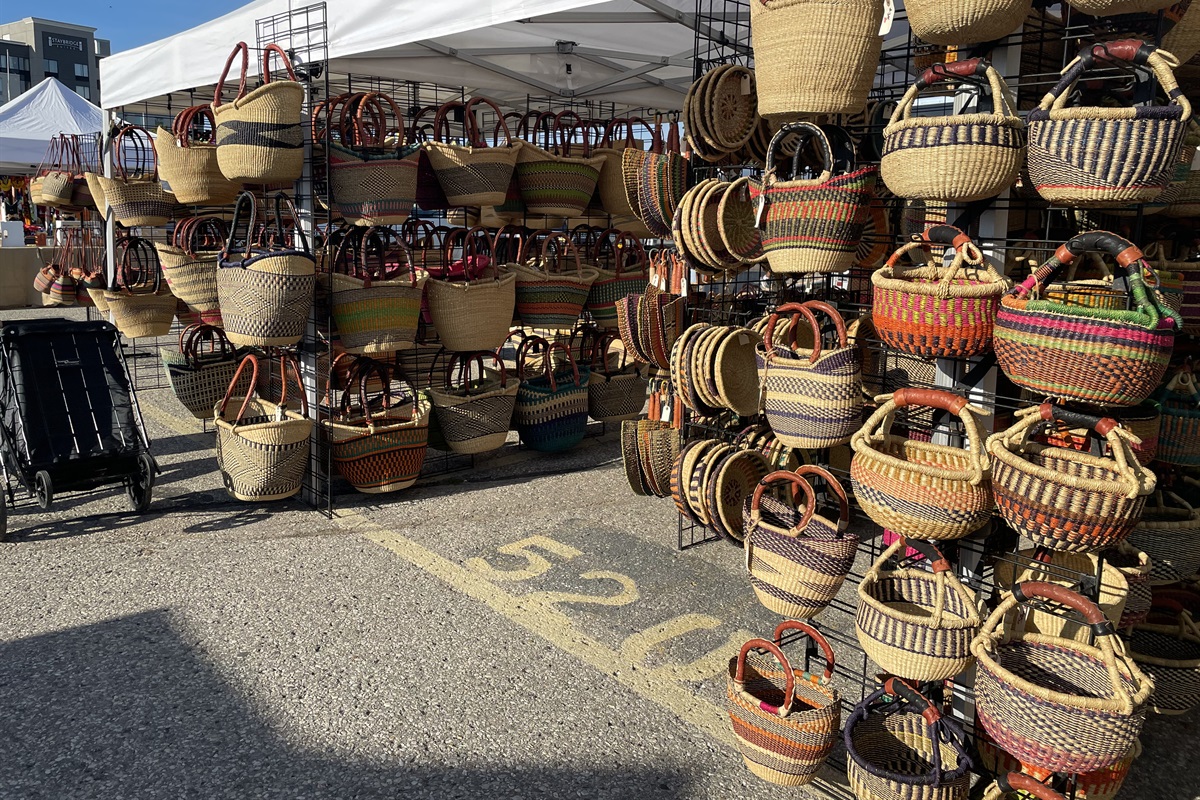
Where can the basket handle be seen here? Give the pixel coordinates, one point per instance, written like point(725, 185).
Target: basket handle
point(478, 357)
point(283, 58)
point(937, 561)
point(931, 398)
point(807, 131)
point(797, 482)
point(561, 240)
point(600, 352)
point(898, 687)
point(739, 679)
point(528, 345)
point(245, 214)
point(201, 332)
point(548, 365)
point(252, 360)
point(971, 67)
point(812, 633)
point(797, 310)
point(836, 487)
point(1019, 782)
point(1131, 51)
point(1091, 613)
point(185, 122)
point(471, 125)
point(244, 49)
point(507, 234)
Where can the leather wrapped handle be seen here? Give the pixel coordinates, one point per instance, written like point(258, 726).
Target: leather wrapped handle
point(1119, 247)
point(946, 234)
point(928, 549)
point(1077, 419)
point(835, 486)
point(933, 398)
point(782, 476)
point(789, 676)
point(955, 69)
point(898, 688)
point(1024, 592)
point(1135, 51)
point(812, 633)
point(1019, 782)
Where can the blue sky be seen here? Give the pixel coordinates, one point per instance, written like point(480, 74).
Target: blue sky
point(127, 23)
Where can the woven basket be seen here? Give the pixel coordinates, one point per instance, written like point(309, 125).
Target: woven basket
point(377, 306)
point(187, 160)
point(473, 315)
point(260, 138)
point(551, 409)
point(812, 397)
point(966, 21)
point(475, 415)
point(1109, 8)
point(549, 296)
point(918, 489)
point(552, 182)
point(655, 182)
point(811, 226)
point(189, 263)
point(1103, 784)
point(1099, 155)
point(615, 392)
point(956, 158)
point(1061, 498)
point(611, 184)
point(1143, 421)
point(373, 188)
point(1179, 436)
point(1064, 569)
point(797, 558)
point(262, 446)
point(1056, 703)
point(915, 623)
point(1135, 567)
point(1167, 648)
point(785, 721)
point(1170, 536)
point(1093, 355)
point(936, 311)
point(141, 306)
point(814, 56)
point(627, 276)
point(265, 290)
point(905, 749)
point(200, 379)
point(475, 174)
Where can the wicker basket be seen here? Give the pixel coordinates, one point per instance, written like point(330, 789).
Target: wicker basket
point(141, 306)
point(475, 174)
point(135, 195)
point(200, 379)
point(918, 489)
point(627, 276)
point(551, 409)
point(1179, 436)
point(377, 304)
point(1167, 647)
point(552, 182)
point(785, 720)
point(956, 158)
point(187, 160)
point(1103, 784)
point(473, 315)
point(965, 21)
point(1056, 703)
point(475, 415)
point(1061, 498)
point(1170, 535)
point(1109, 8)
point(1064, 569)
point(189, 263)
point(615, 392)
point(260, 138)
point(548, 295)
point(1101, 156)
point(372, 170)
point(1135, 567)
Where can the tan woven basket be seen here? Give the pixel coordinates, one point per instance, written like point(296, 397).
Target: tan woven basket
point(190, 167)
point(965, 21)
point(1063, 569)
point(475, 174)
point(259, 135)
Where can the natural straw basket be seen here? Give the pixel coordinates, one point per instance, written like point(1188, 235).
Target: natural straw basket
point(932, 310)
point(473, 315)
point(200, 379)
point(189, 263)
point(473, 174)
point(785, 720)
point(139, 302)
point(797, 558)
point(913, 622)
point(1064, 569)
point(187, 160)
point(1167, 647)
point(259, 135)
point(548, 294)
point(135, 195)
point(627, 276)
point(1179, 436)
point(615, 392)
point(1057, 703)
point(919, 489)
point(475, 416)
point(1102, 784)
point(1061, 498)
point(965, 22)
point(1109, 8)
point(1170, 536)
point(957, 158)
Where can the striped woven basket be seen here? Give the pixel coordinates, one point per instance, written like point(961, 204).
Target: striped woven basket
point(1169, 533)
point(919, 489)
point(1143, 421)
point(1102, 156)
point(552, 182)
point(187, 160)
point(1179, 436)
point(1103, 784)
point(260, 138)
point(141, 306)
point(915, 623)
point(627, 276)
point(200, 379)
point(812, 396)
point(936, 311)
point(377, 306)
point(811, 225)
point(475, 174)
point(1135, 567)
point(189, 263)
point(785, 720)
point(902, 748)
point(1056, 703)
point(1167, 647)
point(956, 158)
point(548, 295)
point(797, 558)
point(373, 188)
point(1019, 786)
point(615, 392)
point(262, 446)
point(1061, 498)
point(551, 411)
point(475, 415)
point(1093, 355)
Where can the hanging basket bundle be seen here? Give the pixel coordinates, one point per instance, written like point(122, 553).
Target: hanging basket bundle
point(551, 411)
point(377, 301)
point(920, 489)
point(797, 556)
point(1167, 647)
point(1061, 498)
point(260, 138)
point(1056, 703)
point(549, 295)
point(135, 195)
point(475, 415)
point(937, 311)
point(472, 174)
point(189, 263)
point(372, 169)
point(141, 305)
point(655, 181)
point(785, 720)
point(198, 377)
point(265, 287)
point(713, 367)
point(262, 446)
point(187, 160)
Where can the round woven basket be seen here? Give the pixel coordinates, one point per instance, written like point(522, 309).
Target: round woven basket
point(1170, 536)
point(1063, 569)
point(473, 175)
point(1103, 784)
point(1167, 647)
point(965, 21)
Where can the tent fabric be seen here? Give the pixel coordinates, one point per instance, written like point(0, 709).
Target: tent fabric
point(29, 121)
point(633, 52)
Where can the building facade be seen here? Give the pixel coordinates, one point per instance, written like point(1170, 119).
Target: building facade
point(32, 49)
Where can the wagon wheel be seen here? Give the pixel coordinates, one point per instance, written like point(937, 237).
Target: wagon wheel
point(43, 489)
point(141, 485)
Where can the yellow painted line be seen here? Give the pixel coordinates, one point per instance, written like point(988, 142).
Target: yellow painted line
point(538, 615)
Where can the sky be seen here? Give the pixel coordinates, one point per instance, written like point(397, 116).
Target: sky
point(126, 23)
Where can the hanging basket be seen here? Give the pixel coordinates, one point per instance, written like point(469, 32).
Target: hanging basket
point(200, 378)
point(140, 304)
point(1102, 784)
point(377, 303)
point(1170, 535)
point(189, 263)
point(1179, 436)
point(260, 138)
point(135, 196)
point(1056, 703)
point(1167, 647)
point(552, 182)
point(628, 276)
point(187, 160)
point(785, 720)
point(372, 170)
point(1063, 499)
point(615, 392)
point(548, 296)
point(551, 409)
point(1064, 569)
point(474, 174)
point(967, 21)
point(1109, 8)
point(475, 416)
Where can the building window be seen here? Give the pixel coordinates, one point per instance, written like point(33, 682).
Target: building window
point(3, 60)
point(51, 66)
point(81, 70)
point(84, 91)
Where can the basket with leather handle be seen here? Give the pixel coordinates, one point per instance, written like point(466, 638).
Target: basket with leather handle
point(260, 138)
point(377, 300)
point(372, 168)
point(189, 263)
point(474, 313)
point(623, 252)
point(1101, 784)
point(551, 410)
point(140, 303)
point(615, 392)
point(187, 160)
point(553, 182)
point(475, 415)
point(199, 377)
point(472, 174)
point(1179, 435)
point(549, 294)
point(1018, 785)
point(135, 196)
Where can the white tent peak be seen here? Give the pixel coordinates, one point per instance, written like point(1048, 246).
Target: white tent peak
point(28, 123)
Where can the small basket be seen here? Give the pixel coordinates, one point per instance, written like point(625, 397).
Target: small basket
point(915, 623)
point(919, 489)
point(1167, 647)
point(200, 379)
point(1056, 703)
point(189, 263)
point(548, 296)
point(965, 21)
point(187, 160)
point(140, 304)
point(785, 720)
point(475, 416)
point(1061, 498)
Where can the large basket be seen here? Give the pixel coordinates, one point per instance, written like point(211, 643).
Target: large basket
point(475, 416)
point(551, 410)
point(919, 489)
point(553, 183)
point(189, 263)
point(812, 396)
point(265, 290)
point(905, 749)
point(548, 295)
point(811, 226)
point(1061, 498)
point(1102, 784)
point(1167, 647)
point(187, 160)
point(1056, 703)
point(965, 21)
point(615, 391)
point(141, 306)
point(475, 174)
point(797, 558)
point(198, 378)
point(262, 446)
point(814, 56)
point(372, 170)
point(627, 276)
point(915, 623)
point(1101, 155)
point(936, 311)
point(785, 720)
point(377, 306)
point(957, 158)
point(1093, 355)
point(1179, 435)
point(473, 315)
point(1170, 535)
point(259, 135)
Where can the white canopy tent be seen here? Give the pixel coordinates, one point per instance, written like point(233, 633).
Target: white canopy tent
point(636, 53)
point(28, 123)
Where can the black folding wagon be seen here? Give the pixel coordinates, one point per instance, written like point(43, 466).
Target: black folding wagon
point(69, 419)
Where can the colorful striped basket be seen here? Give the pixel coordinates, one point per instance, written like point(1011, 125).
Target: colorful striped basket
point(553, 183)
point(785, 720)
point(937, 311)
point(627, 276)
point(548, 296)
point(372, 170)
point(552, 409)
point(797, 558)
point(1093, 355)
point(811, 225)
point(377, 305)
point(1102, 784)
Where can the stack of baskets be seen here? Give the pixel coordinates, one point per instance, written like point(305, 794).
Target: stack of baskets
point(713, 367)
